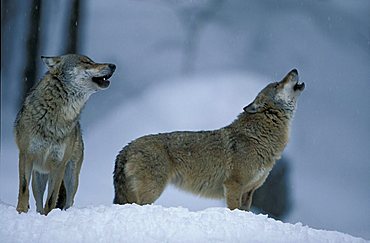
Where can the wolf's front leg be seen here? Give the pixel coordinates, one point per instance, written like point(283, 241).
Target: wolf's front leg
point(247, 200)
point(39, 181)
point(233, 193)
point(54, 182)
point(25, 169)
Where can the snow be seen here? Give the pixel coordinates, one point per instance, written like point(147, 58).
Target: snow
point(151, 223)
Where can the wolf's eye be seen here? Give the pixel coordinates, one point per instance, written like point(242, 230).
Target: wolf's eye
point(85, 62)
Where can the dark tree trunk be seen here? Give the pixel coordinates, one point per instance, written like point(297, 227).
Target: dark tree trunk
point(73, 27)
point(5, 17)
point(32, 48)
point(7, 13)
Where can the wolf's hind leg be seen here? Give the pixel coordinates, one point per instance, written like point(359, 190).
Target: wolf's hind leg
point(71, 182)
point(61, 202)
point(72, 170)
point(25, 170)
point(39, 181)
point(54, 182)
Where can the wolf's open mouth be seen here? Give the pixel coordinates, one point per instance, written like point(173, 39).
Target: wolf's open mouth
point(299, 87)
point(102, 81)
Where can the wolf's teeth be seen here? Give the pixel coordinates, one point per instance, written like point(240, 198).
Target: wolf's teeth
point(104, 79)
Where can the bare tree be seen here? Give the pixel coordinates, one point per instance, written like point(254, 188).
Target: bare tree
point(6, 15)
point(8, 11)
point(193, 16)
point(74, 27)
point(32, 49)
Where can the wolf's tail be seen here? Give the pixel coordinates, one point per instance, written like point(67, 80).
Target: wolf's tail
point(119, 178)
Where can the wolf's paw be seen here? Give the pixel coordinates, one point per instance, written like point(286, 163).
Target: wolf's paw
point(22, 208)
point(40, 211)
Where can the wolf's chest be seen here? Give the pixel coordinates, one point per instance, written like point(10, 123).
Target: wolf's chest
point(47, 155)
point(259, 176)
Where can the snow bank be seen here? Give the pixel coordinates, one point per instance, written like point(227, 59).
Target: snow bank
point(133, 223)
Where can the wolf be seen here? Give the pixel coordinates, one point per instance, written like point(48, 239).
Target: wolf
point(231, 162)
point(47, 129)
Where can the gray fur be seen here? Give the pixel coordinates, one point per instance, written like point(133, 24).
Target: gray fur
point(231, 162)
point(47, 128)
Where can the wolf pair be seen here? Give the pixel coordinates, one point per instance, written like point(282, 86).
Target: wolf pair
point(230, 162)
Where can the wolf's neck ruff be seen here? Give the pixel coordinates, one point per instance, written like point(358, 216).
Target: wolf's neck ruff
point(56, 108)
point(262, 129)
point(74, 102)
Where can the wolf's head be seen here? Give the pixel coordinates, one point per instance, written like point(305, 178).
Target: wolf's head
point(80, 71)
point(281, 95)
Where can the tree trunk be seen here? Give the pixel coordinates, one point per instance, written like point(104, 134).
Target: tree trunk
point(32, 47)
point(73, 27)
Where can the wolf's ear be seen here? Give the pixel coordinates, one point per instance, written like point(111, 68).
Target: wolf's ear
point(253, 108)
point(51, 62)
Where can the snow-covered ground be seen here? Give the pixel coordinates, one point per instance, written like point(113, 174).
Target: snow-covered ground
point(152, 223)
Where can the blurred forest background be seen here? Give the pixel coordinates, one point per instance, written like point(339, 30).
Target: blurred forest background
point(173, 51)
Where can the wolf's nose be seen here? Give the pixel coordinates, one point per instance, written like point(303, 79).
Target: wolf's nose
point(294, 71)
point(112, 67)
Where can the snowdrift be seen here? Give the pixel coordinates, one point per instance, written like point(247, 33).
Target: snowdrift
point(151, 223)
